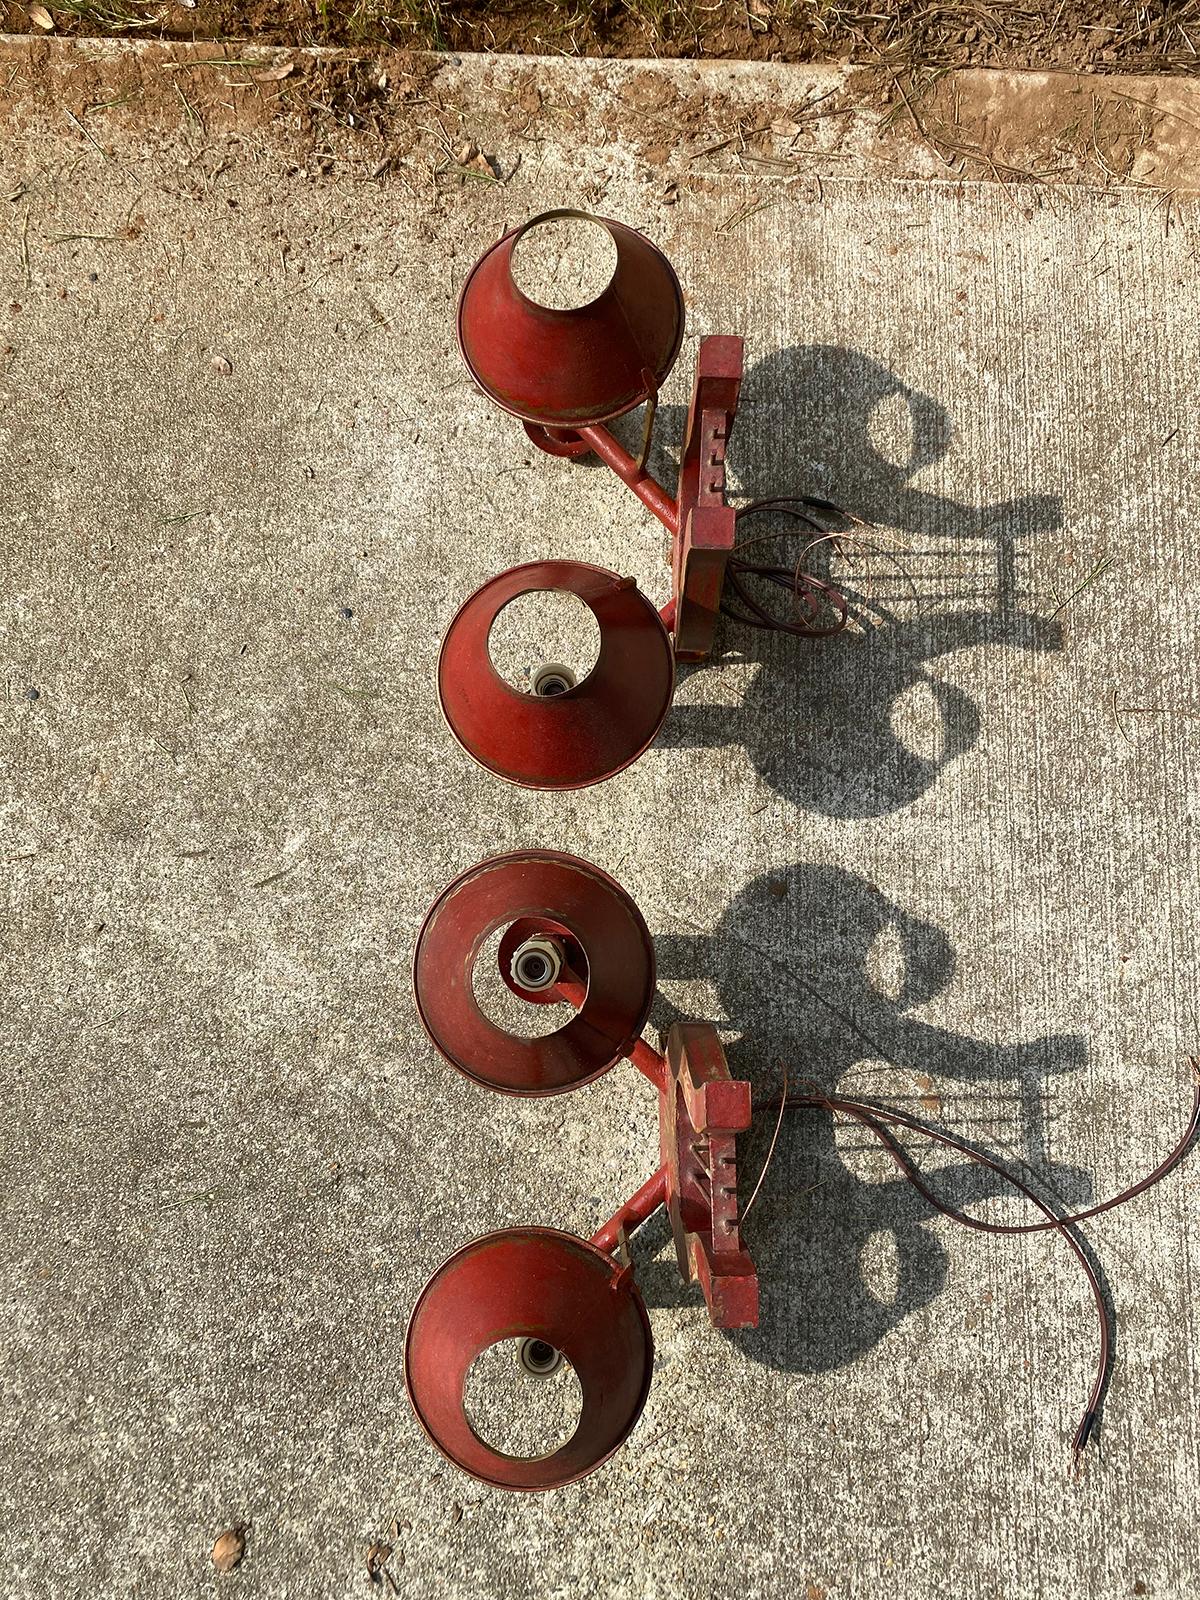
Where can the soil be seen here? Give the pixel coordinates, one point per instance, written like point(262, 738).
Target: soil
point(1160, 36)
point(394, 113)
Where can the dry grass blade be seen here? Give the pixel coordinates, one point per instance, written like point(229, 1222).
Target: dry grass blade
point(751, 209)
point(1102, 568)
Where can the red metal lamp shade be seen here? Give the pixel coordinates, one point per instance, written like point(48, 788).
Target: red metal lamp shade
point(572, 739)
point(565, 368)
point(563, 895)
point(541, 1284)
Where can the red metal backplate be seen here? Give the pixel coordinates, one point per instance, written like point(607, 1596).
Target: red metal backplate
point(701, 1112)
point(546, 888)
point(569, 740)
point(706, 523)
point(562, 368)
point(541, 1284)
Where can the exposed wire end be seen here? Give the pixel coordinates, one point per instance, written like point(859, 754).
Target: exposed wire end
point(874, 1118)
point(1084, 1432)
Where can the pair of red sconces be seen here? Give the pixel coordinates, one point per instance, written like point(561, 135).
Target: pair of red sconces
point(566, 374)
point(570, 933)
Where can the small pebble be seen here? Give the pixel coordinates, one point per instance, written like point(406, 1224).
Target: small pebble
point(33, 694)
point(228, 1550)
point(346, 613)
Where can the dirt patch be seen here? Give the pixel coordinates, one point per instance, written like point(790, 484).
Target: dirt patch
point(1162, 36)
point(108, 91)
point(438, 126)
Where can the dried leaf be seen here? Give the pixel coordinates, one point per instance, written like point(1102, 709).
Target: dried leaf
point(466, 153)
point(223, 365)
point(275, 74)
point(229, 1549)
point(378, 1557)
point(759, 8)
point(482, 163)
point(785, 128)
point(41, 18)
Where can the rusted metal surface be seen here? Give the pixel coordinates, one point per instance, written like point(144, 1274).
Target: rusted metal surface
point(569, 740)
point(634, 476)
point(639, 1208)
point(530, 1283)
point(571, 934)
point(705, 524)
point(702, 1111)
point(545, 888)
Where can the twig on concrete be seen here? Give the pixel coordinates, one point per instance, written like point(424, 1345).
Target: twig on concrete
point(1116, 711)
point(275, 876)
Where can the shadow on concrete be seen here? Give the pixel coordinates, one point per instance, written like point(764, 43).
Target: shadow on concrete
point(816, 967)
point(823, 720)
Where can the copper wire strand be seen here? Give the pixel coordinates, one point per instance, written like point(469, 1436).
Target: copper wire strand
point(873, 1119)
point(803, 586)
point(763, 1170)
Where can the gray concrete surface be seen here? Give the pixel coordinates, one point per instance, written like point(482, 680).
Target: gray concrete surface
point(931, 859)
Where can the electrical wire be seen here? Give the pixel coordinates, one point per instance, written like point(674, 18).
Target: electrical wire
point(876, 1119)
point(809, 592)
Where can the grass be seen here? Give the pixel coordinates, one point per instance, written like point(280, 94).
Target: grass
point(892, 34)
point(107, 16)
point(370, 21)
point(1100, 570)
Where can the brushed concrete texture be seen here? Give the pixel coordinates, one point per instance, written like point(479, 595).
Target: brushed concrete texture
point(932, 860)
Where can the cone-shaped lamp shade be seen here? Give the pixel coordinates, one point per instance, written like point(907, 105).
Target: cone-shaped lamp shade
point(547, 888)
point(563, 741)
point(569, 368)
point(542, 1284)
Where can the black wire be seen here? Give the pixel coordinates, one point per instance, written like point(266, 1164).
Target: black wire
point(812, 595)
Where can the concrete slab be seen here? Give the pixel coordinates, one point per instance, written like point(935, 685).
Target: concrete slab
point(951, 856)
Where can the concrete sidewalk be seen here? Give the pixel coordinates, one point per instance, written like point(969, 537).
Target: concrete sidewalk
point(948, 858)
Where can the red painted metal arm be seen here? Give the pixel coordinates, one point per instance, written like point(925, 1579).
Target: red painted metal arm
point(649, 1063)
point(571, 987)
point(634, 1212)
point(648, 490)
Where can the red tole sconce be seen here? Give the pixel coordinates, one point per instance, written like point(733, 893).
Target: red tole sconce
point(570, 934)
point(566, 374)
